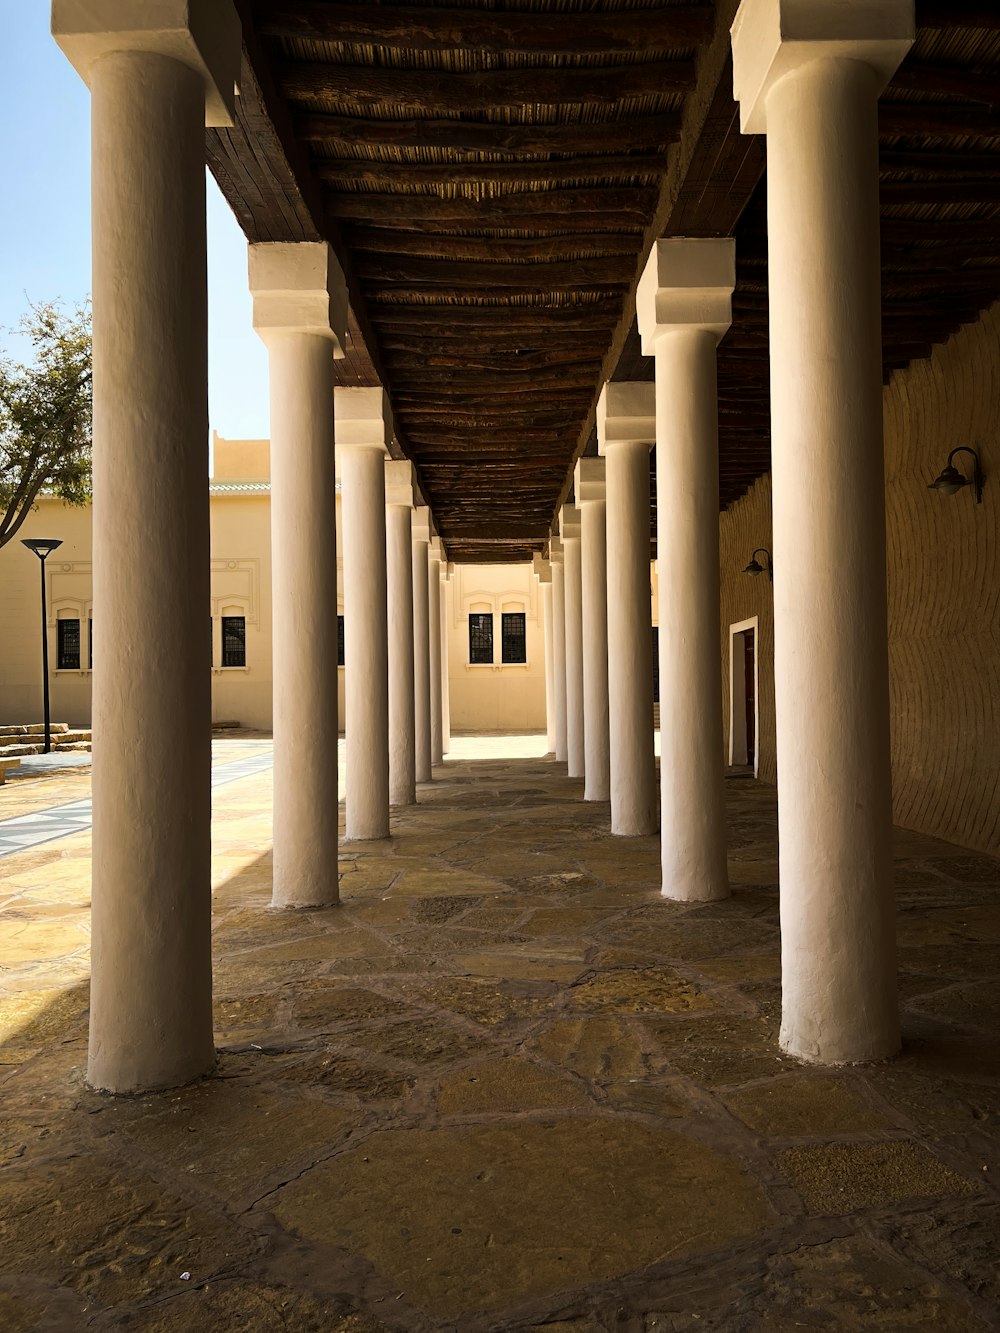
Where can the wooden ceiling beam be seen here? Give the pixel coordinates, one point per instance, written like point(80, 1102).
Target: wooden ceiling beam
point(515, 210)
point(976, 190)
point(421, 28)
point(937, 162)
point(468, 136)
point(429, 91)
point(952, 81)
point(381, 175)
point(958, 14)
point(938, 119)
point(512, 363)
point(607, 272)
point(582, 315)
point(383, 240)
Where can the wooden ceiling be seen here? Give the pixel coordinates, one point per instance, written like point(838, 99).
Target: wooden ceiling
point(492, 175)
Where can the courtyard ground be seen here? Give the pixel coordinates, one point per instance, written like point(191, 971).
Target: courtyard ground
point(505, 1085)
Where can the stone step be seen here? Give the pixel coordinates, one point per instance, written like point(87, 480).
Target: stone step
point(31, 729)
point(63, 746)
point(15, 751)
point(73, 736)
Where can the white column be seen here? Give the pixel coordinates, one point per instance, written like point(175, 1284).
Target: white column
point(300, 312)
point(590, 498)
point(569, 530)
point(816, 100)
point(559, 643)
point(684, 306)
point(361, 425)
point(421, 645)
point(154, 88)
point(447, 569)
point(626, 428)
point(434, 620)
point(399, 504)
point(543, 572)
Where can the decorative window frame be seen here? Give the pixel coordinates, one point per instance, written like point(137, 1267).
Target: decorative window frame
point(228, 606)
point(68, 608)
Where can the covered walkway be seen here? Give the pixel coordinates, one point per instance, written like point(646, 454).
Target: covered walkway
point(505, 1085)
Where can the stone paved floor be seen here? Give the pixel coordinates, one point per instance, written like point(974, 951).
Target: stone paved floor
point(504, 1086)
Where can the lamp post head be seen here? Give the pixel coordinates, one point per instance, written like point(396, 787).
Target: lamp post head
point(42, 546)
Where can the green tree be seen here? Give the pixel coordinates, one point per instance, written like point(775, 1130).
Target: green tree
point(45, 416)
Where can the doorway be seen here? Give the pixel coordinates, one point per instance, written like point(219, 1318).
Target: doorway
point(743, 703)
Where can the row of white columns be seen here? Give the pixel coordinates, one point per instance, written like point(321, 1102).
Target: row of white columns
point(156, 82)
point(815, 98)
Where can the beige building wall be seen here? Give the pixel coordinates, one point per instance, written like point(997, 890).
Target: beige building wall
point(943, 593)
point(503, 696)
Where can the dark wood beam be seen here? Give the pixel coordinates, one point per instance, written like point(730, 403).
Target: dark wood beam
point(607, 272)
point(380, 175)
point(579, 315)
point(976, 190)
point(937, 118)
point(420, 28)
point(510, 363)
point(950, 80)
point(644, 132)
point(938, 162)
point(375, 87)
point(383, 240)
point(509, 210)
point(958, 14)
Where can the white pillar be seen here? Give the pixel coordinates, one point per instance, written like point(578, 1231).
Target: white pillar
point(684, 306)
point(154, 88)
point(569, 530)
point(300, 312)
point(543, 572)
point(447, 569)
point(399, 504)
point(421, 522)
point(590, 498)
point(816, 100)
point(434, 620)
point(626, 428)
point(559, 643)
point(361, 426)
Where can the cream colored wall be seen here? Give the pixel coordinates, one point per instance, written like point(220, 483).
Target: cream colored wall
point(68, 591)
point(502, 697)
point(943, 593)
point(241, 585)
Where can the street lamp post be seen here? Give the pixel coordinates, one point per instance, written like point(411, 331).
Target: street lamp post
point(44, 547)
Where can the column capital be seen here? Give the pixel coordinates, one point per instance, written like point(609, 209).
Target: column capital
point(556, 550)
point(362, 418)
point(435, 549)
point(626, 414)
point(401, 484)
point(772, 38)
point(298, 287)
point(541, 568)
point(687, 284)
point(588, 480)
point(205, 35)
point(569, 523)
point(422, 524)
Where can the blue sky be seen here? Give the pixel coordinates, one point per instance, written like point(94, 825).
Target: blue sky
point(45, 218)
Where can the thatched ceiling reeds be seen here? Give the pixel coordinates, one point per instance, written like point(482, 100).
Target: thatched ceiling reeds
point(492, 173)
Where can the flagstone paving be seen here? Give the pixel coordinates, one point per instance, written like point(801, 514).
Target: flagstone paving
point(505, 1085)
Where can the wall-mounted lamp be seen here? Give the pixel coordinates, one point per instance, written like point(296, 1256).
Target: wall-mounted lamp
point(755, 567)
point(951, 480)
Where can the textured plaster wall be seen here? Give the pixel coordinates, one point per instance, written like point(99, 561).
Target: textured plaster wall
point(943, 593)
point(502, 697)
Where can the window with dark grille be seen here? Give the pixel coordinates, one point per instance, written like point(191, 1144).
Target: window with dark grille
point(234, 641)
point(90, 643)
point(69, 645)
point(513, 637)
point(656, 664)
point(481, 637)
point(340, 641)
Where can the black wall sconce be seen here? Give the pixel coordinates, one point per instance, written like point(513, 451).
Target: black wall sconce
point(755, 567)
point(951, 480)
